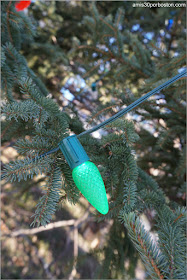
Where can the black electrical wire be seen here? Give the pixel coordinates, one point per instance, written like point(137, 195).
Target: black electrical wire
point(127, 109)
point(134, 104)
point(50, 152)
point(3, 175)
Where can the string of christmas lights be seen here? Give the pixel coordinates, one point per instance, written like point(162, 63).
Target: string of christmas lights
point(85, 173)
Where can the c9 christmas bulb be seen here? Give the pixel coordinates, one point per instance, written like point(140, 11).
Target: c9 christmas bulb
point(85, 173)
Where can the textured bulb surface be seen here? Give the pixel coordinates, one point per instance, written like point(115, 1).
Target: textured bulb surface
point(89, 181)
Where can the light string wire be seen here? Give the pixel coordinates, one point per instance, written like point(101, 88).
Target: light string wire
point(122, 112)
point(126, 110)
point(134, 104)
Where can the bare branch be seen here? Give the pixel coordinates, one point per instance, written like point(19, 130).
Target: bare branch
point(42, 228)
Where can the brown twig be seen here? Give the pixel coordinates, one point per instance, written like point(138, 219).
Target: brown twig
point(93, 68)
point(181, 215)
point(105, 35)
point(142, 244)
point(40, 115)
point(4, 131)
point(108, 24)
point(155, 47)
point(181, 58)
point(118, 20)
point(51, 226)
point(8, 26)
point(172, 109)
point(96, 49)
point(42, 228)
point(101, 111)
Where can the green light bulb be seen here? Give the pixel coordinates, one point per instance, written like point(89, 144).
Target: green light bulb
point(85, 173)
point(89, 181)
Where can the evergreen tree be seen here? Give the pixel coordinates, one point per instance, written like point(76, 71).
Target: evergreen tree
point(35, 120)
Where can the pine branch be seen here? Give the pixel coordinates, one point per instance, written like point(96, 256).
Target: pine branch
point(150, 199)
point(172, 241)
point(25, 110)
point(124, 128)
point(95, 67)
point(26, 168)
point(68, 184)
point(148, 251)
point(181, 168)
point(8, 26)
point(33, 147)
point(28, 87)
point(130, 195)
point(101, 111)
point(6, 128)
point(48, 202)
